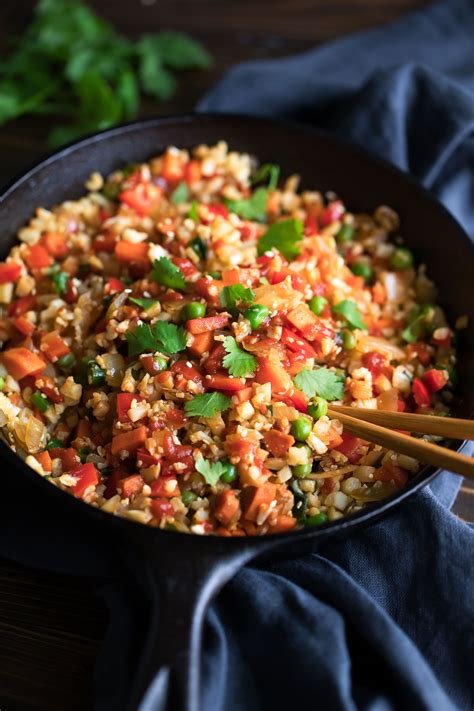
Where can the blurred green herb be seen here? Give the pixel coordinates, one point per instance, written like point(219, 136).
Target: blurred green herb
point(72, 64)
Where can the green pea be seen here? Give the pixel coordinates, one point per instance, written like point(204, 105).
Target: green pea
point(316, 520)
point(302, 470)
point(401, 259)
point(66, 362)
point(230, 473)
point(95, 374)
point(188, 496)
point(160, 363)
point(301, 428)
point(345, 234)
point(362, 269)
point(348, 340)
point(40, 401)
point(317, 305)
point(60, 281)
point(319, 408)
point(195, 309)
point(83, 452)
point(54, 443)
point(215, 275)
point(256, 315)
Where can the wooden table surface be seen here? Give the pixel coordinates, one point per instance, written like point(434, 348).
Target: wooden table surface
point(51, 626)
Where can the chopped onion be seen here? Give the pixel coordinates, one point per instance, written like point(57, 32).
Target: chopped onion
point(388, 400)
point(375, 493)
point(372, 343)
point(116, 303)
point(114, 365)
point(35, 432)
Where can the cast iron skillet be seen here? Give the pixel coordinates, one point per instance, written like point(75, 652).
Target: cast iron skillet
point(180, 574)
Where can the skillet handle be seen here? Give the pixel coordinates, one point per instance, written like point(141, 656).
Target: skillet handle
point(179, 587)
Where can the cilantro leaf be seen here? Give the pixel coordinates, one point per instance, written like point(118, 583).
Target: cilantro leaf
point(207, 405)
point(211, 471)
point(166, 273)
point(270, 171)
point(284, 236)
point(323, 382)
point(180, 194)
point(254, 208)
point(231, 295)
point(238, 362)
point(164, 337)
point(193, 212)
point(177, 50)
point(60, 281)
point(142, 303)
point(351, 313)
point(418, 319)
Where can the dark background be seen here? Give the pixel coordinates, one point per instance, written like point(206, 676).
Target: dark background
point(51, 626)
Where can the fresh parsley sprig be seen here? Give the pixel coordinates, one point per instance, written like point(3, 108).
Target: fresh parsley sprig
point(322, 381)
point(238, 362)
point(72, 64)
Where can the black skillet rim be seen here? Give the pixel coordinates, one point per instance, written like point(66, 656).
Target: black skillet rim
point(329, 529)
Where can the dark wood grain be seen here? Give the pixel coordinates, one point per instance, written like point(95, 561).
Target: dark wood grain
point(51, 626)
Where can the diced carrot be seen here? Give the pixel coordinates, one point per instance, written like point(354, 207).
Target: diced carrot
point(243, 395)
point(202, 342)
point(165, 487)
point(87, 476)
point(226, 507)
point(83, 429)
point(68, 456)
point(283, 524)
point(127, 252)
point(53, 346)
point(208, 323)
point(256, 498)
point(231, 276)
point(391, 472)
point(55, 244)
point(435, 379)
point(22, 305)
point(130, 486)
point(271, 372)
point(349, 447)
point(379, 294)
point(219, 381)
point(49, 388)
point(129, 441)
point(9, 272)
point(37, 257)
point(24, 325)
point(227, 533)
point(142, 198)
point(278, 442)
point(192, 172)
point(172, 168)
point(44, 459)
point(21, 362)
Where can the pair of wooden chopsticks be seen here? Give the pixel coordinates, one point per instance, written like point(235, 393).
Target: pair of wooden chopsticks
point(378, 426)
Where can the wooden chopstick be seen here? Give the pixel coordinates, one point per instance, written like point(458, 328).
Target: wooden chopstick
point(447, 427)
point(418, 449)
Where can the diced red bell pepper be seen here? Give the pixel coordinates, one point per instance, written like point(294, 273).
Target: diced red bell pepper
point(375, 362)
point(202, 343)
point(9, 272)
point(209, 289)
point(215, 211)
point(350, 447)
point(422, 352)
point(130, 485)
point(299, 400)
point(68, 456)
point(87, 476)
point(37, 257)
point(297, 343)
point(129, 441)
point(124, 403)
point(222, 381)
point(161, 508)
point(192, 172)
point(115, 286)
point(165, 487)
point(142, 198)
point(270, 372)
point(105, 242)
point(112, 482)
point(391, 472)
point(44, 459)
point(188, 372)
point(214, 363)
point(243, 395)
point(127, 252)
point(53, 346)
point(24, 325)
point(311, 226)
point(208, 323)
point(435, 379)
point(282, 524)
point(146, 459)
point(226, 506)
point(334, 211)
point(22, 305)
point(21, 362)
point(185, 266)
point(312, 327)
point(421, 393)
point(172, 167)
point(55, 244)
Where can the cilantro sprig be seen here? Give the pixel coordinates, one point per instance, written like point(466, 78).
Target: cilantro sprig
point(350, 311)
point(164, 337)
point(238, 362)
point(267, 171)
point(283, 236)
point(252, 208)
point(166, 273)
point(235, 294)
point(323, 382)
point(142, 303)
point(70, 63)
point(207, 405)
point(211, 471)
point(180, 194)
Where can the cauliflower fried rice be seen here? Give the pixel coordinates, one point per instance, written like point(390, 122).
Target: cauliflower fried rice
point(170, 342)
